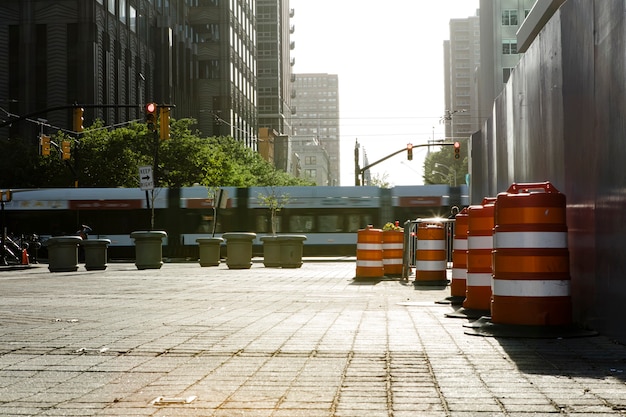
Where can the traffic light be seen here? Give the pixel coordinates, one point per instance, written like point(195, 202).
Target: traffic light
point(151, 109)
point(78, 119)
point(65, 150)
point(409, 151)
point(164, 123)
point(457, 150)
point(44, 145)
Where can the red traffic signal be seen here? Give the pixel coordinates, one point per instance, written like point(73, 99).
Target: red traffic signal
point(151, 109)
point(457, 150)
point(409, 151)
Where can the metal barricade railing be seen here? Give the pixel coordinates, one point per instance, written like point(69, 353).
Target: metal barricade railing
point(410, 241)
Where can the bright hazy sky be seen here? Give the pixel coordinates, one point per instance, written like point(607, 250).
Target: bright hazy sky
point(389, 59)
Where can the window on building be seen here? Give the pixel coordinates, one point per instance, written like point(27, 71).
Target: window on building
point(509, 47)
point(209, 69)
point(133, 19)
point(310, 173)
point(111, 6)
point(506, 73)
point(310, 160)
point(122, 10)
point(509, 17)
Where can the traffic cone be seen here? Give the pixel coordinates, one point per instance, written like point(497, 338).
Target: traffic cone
point(24, 257)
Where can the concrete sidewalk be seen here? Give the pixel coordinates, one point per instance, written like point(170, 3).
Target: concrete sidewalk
point(192, 341)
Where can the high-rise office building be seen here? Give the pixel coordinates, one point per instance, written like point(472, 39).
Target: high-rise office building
point(316, 125)
point(275, 64)
point(461, 59)
point(199, 55)
point(227, 67)
point(499, 23)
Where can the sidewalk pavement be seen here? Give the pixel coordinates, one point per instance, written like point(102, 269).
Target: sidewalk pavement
point(191, 341)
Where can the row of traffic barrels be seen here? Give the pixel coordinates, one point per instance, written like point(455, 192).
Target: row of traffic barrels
point(510, 257)
point(380, 253)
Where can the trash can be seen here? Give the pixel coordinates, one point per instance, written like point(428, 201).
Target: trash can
point(63, 253)
point(95, 253)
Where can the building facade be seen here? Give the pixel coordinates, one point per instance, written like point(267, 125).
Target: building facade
point(316, 126)
point(499, 22)
point(227, 68)
point(199, 55)
point(275, 65)
point(461, 59)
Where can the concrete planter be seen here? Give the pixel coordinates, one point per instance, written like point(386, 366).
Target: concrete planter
point(239, 250)
point(209, 250)
point(95, 253)
point(63, 253)
point(271, 251)
point(291, 250)
point(148, 249)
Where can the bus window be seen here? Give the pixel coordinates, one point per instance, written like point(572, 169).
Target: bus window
point(329, 223)
point(262, 223)
point(301, 224)
point(354, 223)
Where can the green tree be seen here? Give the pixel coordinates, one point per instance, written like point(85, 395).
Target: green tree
point(102, 157)
point(441, 167)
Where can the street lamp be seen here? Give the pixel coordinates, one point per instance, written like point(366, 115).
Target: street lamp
point(450, 169)
point(447, 177)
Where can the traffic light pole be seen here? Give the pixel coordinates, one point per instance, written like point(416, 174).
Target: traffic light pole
point(365, 168)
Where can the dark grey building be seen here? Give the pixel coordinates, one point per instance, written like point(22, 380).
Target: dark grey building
point(196, 54)
point(275, 65)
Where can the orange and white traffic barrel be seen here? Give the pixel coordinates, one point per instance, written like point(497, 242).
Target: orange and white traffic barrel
point(430, 255)
point(393, 247)
point(369, 253)
point(459, 255)
point(531, 279)
point(479, 247)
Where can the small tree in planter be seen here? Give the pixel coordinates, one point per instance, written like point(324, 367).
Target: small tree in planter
point(275, 203)
point(209, 247)
point(271, 246)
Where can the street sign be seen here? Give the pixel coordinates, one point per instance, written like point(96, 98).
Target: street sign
point(146, 180)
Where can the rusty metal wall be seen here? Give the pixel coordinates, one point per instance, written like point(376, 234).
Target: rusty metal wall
point(561, 118)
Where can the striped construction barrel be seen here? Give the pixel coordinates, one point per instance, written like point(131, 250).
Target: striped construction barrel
point(393, 247)
point(531, 279)
point(459, 255)
point(430, 255)
point(479, 247)
point(369, 253)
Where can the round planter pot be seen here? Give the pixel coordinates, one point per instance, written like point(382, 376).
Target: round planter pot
point(291, 250)
point(63, 253)
point(95, 253)
point(209, 250)
point(239, 249)
point(271, 251)
point(148, 249)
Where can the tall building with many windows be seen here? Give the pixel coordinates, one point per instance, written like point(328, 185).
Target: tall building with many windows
point(199, 55)
point(275, 65)
point(499, 23)
point(316, 126)
point(461, 59)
